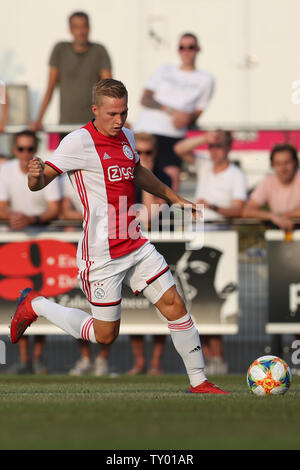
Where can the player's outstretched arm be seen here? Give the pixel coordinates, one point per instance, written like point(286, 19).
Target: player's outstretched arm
point(147, 181)
point(39, 174)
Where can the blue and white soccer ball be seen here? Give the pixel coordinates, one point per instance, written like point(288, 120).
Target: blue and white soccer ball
point(269, 375)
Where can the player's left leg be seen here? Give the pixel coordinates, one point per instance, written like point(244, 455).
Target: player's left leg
point(159, 288)
point(186, 339)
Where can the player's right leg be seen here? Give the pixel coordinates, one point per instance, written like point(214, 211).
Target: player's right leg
point(103, 292)
point(31, 306)
point(77, 323)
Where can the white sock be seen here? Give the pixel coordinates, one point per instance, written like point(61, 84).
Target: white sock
point(76, 322)
point(186, 340)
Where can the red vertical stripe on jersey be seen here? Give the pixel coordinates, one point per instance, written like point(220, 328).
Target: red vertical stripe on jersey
point(86, 215)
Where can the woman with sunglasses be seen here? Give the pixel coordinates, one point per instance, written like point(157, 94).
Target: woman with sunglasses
point(173, 99)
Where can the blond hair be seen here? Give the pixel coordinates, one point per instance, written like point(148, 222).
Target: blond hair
point(108, 87)
point(145, 137)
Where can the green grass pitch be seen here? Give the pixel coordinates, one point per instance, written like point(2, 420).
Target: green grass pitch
point(61, 412)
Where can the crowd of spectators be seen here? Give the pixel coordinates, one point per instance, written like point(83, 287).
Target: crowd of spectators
point(173, 100)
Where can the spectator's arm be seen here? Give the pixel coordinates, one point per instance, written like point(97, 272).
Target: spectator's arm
point(185, 147)
point(182, 119)
point(68, 212)
point(105, 73)
point(149, 102)
point(234, 211)
point(53, 79)
point(253, 210)
point(294, 214)
point(18, 220)
point(4, 210)
point(50, 213)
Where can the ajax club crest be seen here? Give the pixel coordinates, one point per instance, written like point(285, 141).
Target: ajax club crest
point(128, 152)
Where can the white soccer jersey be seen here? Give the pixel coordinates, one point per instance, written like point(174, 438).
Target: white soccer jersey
point(101, 170)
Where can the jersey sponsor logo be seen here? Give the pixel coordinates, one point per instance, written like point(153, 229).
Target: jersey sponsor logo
point(128, 152)
point(117, 173)
point(106, 156)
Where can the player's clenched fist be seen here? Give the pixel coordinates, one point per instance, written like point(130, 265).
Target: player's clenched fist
point(36, 167)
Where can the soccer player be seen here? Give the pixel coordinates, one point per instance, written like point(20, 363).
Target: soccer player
point(104, 167)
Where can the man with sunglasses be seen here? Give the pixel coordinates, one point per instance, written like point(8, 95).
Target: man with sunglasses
point(173, 99)
point(22, 209)
point(221, 187)
point(18, 205)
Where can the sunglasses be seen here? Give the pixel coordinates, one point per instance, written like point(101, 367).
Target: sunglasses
point(29, 149)
point(187, 48)
point(145, 152)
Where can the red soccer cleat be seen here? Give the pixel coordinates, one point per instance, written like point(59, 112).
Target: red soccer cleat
point(23, 316)
point(208, 387)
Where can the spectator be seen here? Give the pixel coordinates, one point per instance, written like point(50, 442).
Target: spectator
point(146, 148)
point(173, 99)
point(221, 185)
point(22, 209)
point(72, 210)
point(75, 66)
point(279, 191)
point(221, 188)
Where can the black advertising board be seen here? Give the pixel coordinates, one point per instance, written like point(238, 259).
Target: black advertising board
point(283, 283)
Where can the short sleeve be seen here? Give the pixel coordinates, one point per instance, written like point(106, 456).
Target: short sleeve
point(104, 59)
point(154, 79)
point(260, 193)
point(55, 55)
point(206, 94)
point(240, 187)
point(69, 155)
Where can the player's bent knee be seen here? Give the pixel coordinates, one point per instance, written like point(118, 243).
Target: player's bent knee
point(171, 305)
point(106, 332)
point(106, 340)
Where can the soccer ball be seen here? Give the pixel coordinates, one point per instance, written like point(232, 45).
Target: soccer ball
point(269, 375)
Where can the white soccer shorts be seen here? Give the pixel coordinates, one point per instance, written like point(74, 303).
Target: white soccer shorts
point(144, 270)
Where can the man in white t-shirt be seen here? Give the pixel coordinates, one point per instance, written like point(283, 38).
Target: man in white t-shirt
point(22, 208)
point(104, 167)
point(221, 185)
point(173, 99)
point(221, 188)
